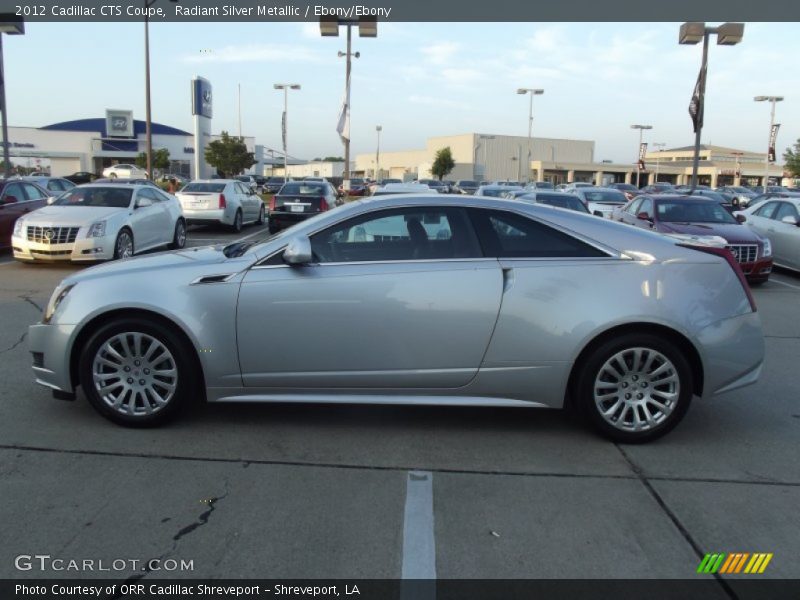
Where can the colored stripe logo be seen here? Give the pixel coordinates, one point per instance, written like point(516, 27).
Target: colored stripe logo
point(735, 562)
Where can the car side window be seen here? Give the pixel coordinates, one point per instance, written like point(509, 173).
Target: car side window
point(767, 210)
point(424, 233)
point(149, 194)
point(32, 192)
point(785, 209)
point(634, 206)
point(13, 193)
point(54, 185)
point(509, 235)
point(646, 207)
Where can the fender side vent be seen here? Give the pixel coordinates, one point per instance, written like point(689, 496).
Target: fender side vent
point(212, 279)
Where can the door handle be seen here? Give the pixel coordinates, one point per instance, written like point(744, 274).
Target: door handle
point(508, 278)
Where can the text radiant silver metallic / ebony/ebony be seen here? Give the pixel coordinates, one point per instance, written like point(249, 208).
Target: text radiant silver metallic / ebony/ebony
point(413, 300)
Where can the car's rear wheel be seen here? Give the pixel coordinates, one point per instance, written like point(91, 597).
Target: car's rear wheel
point(261, 213)
point(237, 221)
point(135, 372)
point(273, 226)
point(123, 246)
point(179, 238)
point(635, 388)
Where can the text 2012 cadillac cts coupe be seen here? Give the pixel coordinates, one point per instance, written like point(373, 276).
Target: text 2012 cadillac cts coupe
point(413, 300)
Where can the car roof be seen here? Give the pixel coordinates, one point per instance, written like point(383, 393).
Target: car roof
point(122, 186)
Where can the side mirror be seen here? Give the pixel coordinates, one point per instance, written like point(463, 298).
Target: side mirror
point(644, 217)
point(298, 252)
point(790, 220)
point(10, 200)
point(51, 199)
point(144, 203)
point(740, 217)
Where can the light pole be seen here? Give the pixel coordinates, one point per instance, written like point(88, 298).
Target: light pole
point(284, 122)
point(659, 146)
point(641, 128)
point(378, 130)
point(12, 25)
point(329, 27)
point(532, 92)
point(772, 100)
point(728, 34)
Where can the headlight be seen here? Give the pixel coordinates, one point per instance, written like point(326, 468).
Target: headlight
point(55, 300)
point(97, 229)
point(700, 240)
point(17, 228)
point(767, 247)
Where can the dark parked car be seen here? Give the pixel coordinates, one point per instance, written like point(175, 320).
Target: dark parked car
point(81, 177)
point(702, 219)
point(18, 197)
point(630, 190)
point(659, 187)
point(55, 186)
point(274, 184)
point(298, 200)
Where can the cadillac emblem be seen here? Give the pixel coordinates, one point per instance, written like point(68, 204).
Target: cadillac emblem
point(49, 234)
point(735, 253)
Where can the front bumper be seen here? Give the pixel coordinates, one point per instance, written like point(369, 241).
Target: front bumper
point(733, 353)
point(82, 249)
point(50, 347)
point(757, 271)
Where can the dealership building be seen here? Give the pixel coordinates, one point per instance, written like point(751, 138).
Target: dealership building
point(95, 143)
point(492, 157)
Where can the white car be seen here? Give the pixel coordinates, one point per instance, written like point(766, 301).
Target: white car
point(226, 201)
point(601, 202)
point(402, 188)
point(100, 222)
point(124, 172)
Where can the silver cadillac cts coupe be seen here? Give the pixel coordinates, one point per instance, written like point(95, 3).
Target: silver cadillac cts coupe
point(423, 299)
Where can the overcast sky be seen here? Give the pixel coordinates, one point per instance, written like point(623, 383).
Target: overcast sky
point(417, 80)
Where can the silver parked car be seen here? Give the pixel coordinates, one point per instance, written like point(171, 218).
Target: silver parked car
point(224, 201)
point(413, 300)
point(776, 217)
point(600, 201)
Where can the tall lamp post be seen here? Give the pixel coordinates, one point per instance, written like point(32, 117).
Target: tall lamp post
point(641, 128)
point(772, 100)
point(533, 92)
point(12, 25)
point(285, 122)
point(378, 130)
point(728, 34)
point(659, 146)
point(329, 27)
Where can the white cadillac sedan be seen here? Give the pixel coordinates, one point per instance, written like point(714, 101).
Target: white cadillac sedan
point(124, 171)
point(100, 222)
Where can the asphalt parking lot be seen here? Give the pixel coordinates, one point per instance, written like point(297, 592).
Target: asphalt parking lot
point(379, 492)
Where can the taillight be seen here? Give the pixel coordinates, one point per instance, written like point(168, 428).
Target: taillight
point(272, 204)
point(726, 254)
point(323, 205)
point(222, 202)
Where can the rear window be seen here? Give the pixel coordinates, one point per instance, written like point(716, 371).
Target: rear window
point(303, 189)
point(605, 197)
point(562, 201)
point(204, 188)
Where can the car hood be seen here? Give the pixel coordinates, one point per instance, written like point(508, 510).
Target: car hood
point(70, 215)
point(731, 232)
point(206, 260)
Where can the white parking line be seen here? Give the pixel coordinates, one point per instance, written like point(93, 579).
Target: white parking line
point(796, 287)
point(260, 231)
point(419, 545)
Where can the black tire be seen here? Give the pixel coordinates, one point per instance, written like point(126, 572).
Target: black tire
point(119, 245)
point(112, 175)
point(179, 237)
point(179, 353)
point(652, 388)
point(237, 222)
point(273, 226)
point(261, 212)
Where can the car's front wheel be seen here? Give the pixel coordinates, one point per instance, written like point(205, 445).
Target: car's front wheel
point(273, 226)
point(635, 388)
point(123, 247)
point(135, 372)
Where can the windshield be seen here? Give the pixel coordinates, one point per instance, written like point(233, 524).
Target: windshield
point(303, 189)
point(204, 188)
point(561, 201)
point(96, 196)
point(693, 212)
point(605, 197)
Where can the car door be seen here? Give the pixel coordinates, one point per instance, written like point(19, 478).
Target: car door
point(785, 237)
point(628, 215)
point(761, 219)
point(249, 209)
point(395, 298)
point(13, 205)
point(166, 217)
point(146, 221)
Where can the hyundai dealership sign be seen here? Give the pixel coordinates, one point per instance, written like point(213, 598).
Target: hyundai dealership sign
point(201, 97)
point(202, 111)
point(119, 123)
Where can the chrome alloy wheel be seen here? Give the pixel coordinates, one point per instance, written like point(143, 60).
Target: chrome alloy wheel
point(134, 374)
point(637, 389)
point(124, 245)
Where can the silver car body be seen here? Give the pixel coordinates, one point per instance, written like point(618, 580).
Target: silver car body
point(777, 218)
point(62, 232)
point(602, 208)
point(473, 331)
point(204, 206)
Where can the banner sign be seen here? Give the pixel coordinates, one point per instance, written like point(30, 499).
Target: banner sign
point(773, 134)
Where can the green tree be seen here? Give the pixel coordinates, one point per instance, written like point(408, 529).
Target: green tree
point(792, 159)
point(229, 155)
point(160, 159)
point(443, 163)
